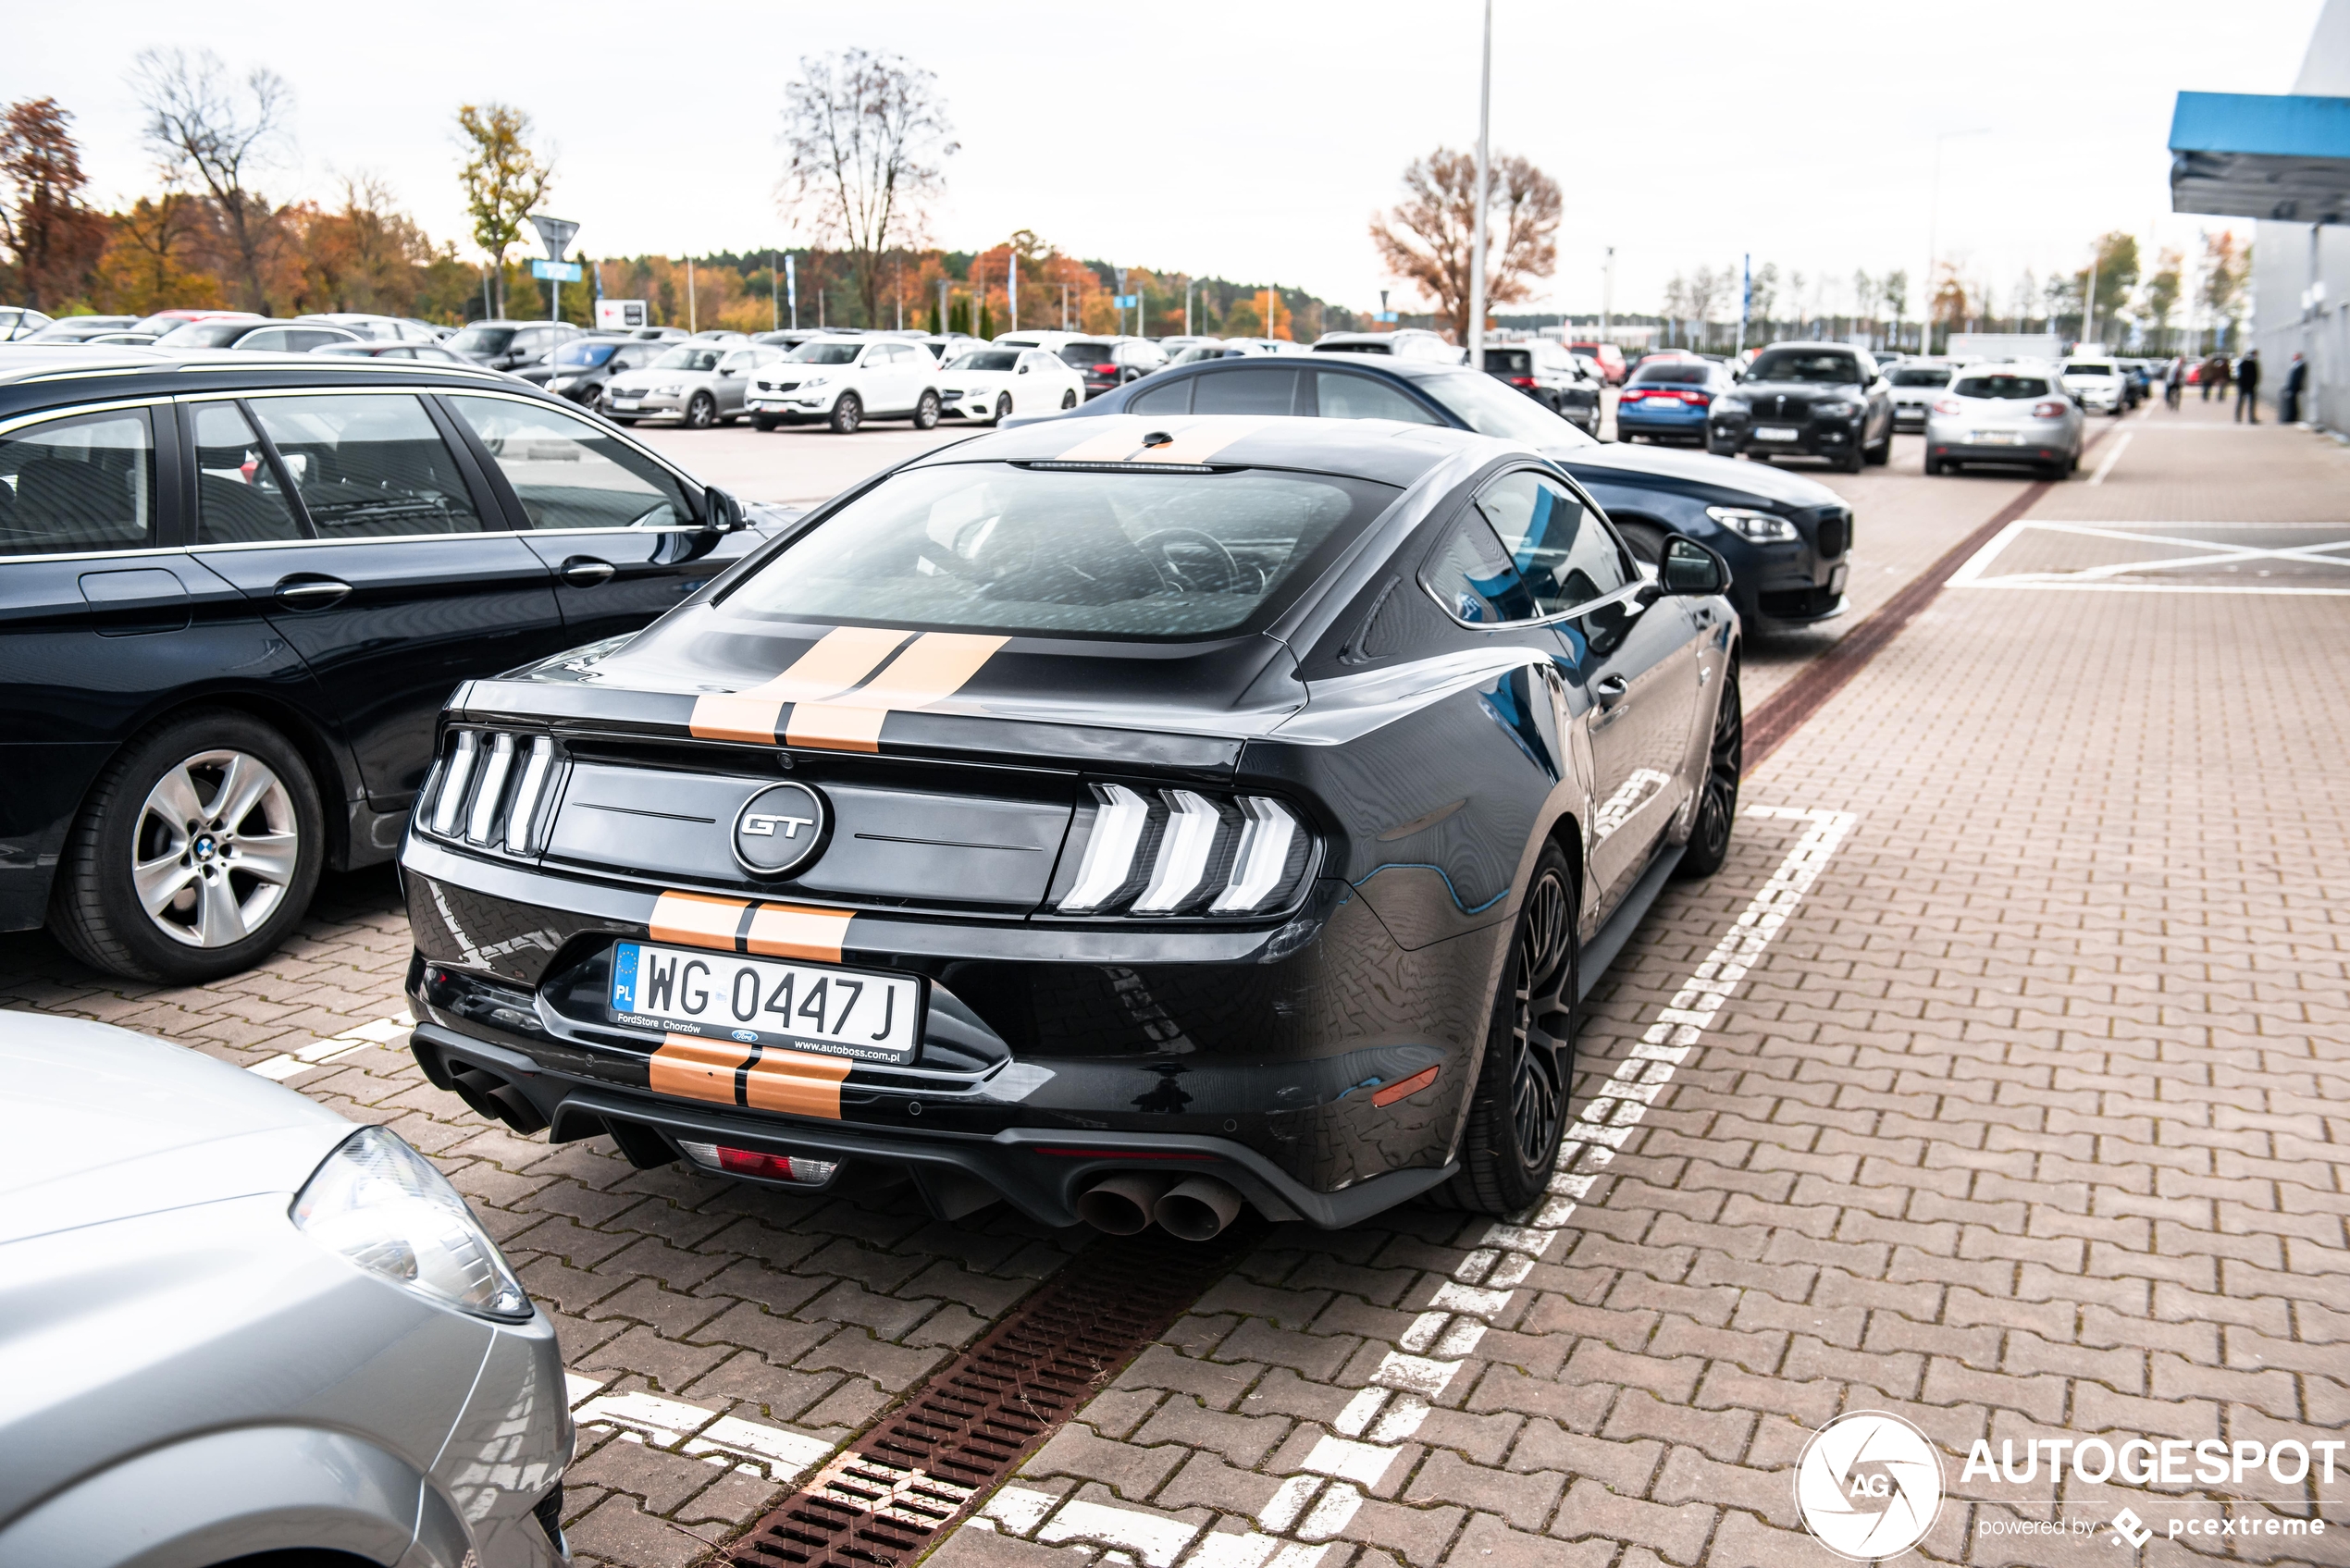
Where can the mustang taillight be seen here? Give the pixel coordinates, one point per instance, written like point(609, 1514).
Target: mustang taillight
point(490, 790)
point(1181, 852)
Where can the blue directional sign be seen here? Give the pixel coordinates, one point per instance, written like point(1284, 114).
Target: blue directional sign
point(562, 272)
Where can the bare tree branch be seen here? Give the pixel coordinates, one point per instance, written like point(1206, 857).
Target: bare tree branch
point(218, 136)
point(1425, 239)
point(869, 140)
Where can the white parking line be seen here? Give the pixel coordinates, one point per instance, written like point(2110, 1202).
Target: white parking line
point(1312, 1507)
point(2112, 458)
point(382, 1032)
point(776, 1453)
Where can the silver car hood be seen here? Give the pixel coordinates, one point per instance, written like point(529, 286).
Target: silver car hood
point(105, 1124)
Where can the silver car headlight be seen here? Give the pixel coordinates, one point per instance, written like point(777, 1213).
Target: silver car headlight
point(1763, 527)
point(669, 389)
point(1729, 402)
point(381, 1204)
point(814, 381)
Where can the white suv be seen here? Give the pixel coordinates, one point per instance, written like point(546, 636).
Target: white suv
point(2096, 384)
point(845, 381)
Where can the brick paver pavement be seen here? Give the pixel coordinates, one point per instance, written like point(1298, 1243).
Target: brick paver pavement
point(2024, 1125)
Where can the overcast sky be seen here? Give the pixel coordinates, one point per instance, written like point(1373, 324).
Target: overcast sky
point(1255, 140)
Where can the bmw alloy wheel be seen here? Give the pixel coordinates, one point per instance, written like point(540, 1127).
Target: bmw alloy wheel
point(215, 848)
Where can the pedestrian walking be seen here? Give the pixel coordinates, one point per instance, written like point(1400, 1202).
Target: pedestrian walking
point(2215, 375)
point(2296, 376)
point(2174, 380)
point(2248, 386)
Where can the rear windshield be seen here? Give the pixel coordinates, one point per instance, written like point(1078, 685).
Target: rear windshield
point(689, 357)
point(987, 359)
point(1510, 362)
point(995, 548)
point(1805, 365)
point(482, 340)
point(1673, 373)
point(2001, 387)
point(579, 354)
point(205, 334)
point(1926, 376)
point(825, 354)
point(1086, 353)
point(2088, 370)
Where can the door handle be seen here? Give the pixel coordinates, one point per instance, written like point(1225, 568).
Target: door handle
point(311, 593)
point(1609, 690)
point(586, 570)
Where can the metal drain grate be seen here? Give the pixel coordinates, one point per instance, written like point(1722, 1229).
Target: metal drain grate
point(887, 1498)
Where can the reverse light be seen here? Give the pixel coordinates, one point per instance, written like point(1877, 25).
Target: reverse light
point(1763, 527)
point(794, 1168)
point(382, 1206)
point(1182, 852)
point(493, 789)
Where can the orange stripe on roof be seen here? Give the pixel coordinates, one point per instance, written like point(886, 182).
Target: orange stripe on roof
point(694, 1068)
point(797, 1084)
point(933, 668)
point(697, 919)
point(836, 662)
point(788, 931)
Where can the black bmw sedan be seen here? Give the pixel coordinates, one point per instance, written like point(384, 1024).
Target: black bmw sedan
point(1788, 538)
point(235, 590)
point(1133, 818)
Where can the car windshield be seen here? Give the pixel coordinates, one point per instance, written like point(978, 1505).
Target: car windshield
point(482, 340)
point(690, 356)
point(1083, 354)
point(1806, 365)
point(987, 359)
point(2088, 370)
point(825, 354)
point(1510, 362)
point(1673, 373)
point(1924, 376)
point(995, 548)
point(205, 334)
point(1492, 408)
point(2001, 387)
point(584, 356)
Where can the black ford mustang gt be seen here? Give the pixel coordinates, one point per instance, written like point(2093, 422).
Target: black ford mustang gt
point(1129, 818)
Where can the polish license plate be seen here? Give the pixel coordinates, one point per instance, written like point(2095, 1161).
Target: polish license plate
point(1836, 578)
point(853, 1013)
point(1777, 433)
point(1999, 438)
point(625, 402)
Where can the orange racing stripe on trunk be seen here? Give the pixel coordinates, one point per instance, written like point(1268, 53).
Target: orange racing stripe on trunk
point(933, 668)
point(693, 1069)
point(838, 659)
point(796, 1082)
point(698, 920)
point(788, 931)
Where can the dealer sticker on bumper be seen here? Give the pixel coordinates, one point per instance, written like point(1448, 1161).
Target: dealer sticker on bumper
point(866, 1017)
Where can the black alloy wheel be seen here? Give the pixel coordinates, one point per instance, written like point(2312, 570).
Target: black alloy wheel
point(1856, 456)
point(1881, 454)
point(1003, 407)
point(1068, 398)
point(1518, 1106)
point(702, 411)
point(1717, 805)
point(848, 412)
point(926, 411)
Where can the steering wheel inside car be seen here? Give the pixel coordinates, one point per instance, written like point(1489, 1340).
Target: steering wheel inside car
point(1230, 578)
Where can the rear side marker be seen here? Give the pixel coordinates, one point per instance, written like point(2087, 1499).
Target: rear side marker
point(1405, 1088)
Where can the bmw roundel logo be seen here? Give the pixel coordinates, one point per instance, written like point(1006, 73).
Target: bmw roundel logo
point(779, 830)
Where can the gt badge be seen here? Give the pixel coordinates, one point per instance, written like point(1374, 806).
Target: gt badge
point(779, 830)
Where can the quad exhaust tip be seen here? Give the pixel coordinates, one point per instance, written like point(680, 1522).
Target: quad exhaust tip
point(1197, 1209)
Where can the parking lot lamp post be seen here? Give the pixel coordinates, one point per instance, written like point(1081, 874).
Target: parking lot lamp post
point(775, 291)
point(791, 288)
point(1476, 344)
point(1933, 239)
point(2089, 301)
point(1607, 292)
point(690, 323)
point(1011, 286)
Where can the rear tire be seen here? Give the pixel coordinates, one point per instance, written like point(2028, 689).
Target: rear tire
point(1517, 1108)
point(1882, 454)
point(134, 830)
point(848, 412)
point(1854, 461)
point(1718, 806)
point(1645, 540)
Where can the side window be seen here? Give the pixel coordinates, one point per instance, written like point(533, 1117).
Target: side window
point(1343, 396)
point(82, 483)
point(1565, 556)
point(270, 340)
point(238, 500)
point(1258, 390)
point(735, 363)
point(302, 339)
point(1473, 579)
point(368, 466)
point(571, 475)
point(1174, 396)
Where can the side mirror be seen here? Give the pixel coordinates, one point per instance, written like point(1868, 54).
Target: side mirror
point(724, 513)
point(1023, 370)
point(1688, 567)
point(730, 370)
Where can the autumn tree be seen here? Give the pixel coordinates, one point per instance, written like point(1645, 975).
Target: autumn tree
point(868, 139)
point(217, 135)
point(2116, 272)
point(503, 177)
point(1425, 238)
point(2227, 266)
point(46, 228)
point(2161, 295)
point(154, 258)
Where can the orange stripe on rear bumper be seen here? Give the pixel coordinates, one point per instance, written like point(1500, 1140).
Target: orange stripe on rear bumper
point(697, 919)
point(788, 930)
point(839, 659)
point(692, 1068)
point(933, 668)
point(1405, 1088)
point(798, 1084)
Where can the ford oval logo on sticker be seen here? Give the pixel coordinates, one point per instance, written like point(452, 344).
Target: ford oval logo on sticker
point(746, 1037)
point(779, 830)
